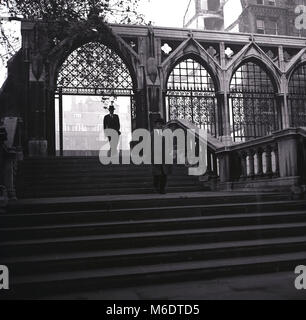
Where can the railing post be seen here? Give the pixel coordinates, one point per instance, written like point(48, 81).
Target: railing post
point(209, 164)
point(225, 167)
point(215, 165)
point(275, 149)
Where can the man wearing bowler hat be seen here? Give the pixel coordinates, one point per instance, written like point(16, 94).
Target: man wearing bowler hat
point(160, 171)
point(112, 121)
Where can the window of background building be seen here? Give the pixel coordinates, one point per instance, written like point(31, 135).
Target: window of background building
point(260, 24)
point(274, 28)
point(271, 2)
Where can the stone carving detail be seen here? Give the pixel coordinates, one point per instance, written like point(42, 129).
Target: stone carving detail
point(270, 54)
point(229, 52)
point(212, 51)
point(166, 49)
point(37, 65)
point(287, 56)
point(152, 69)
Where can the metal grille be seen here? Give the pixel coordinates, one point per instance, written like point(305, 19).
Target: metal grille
point(297, 97)
point(191, 95)
point(253, 103)
point(95, 69)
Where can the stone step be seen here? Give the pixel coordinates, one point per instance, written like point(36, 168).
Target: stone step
point(152, 255)
point(100, 183)
point(131, 226)
point(95, 192)
point(83, 205)
point(148, 239)
point(136, 214)
point(51, 283)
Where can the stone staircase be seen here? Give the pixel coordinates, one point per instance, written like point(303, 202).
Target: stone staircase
point(64, 245)
point(79, 176)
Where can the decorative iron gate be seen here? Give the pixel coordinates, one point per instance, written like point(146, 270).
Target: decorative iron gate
point(297, 97)
point(253, 103)
point(191, 96)
point(93, 70)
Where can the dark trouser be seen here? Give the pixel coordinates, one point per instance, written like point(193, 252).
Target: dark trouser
point(160, 182)
point(113, 145)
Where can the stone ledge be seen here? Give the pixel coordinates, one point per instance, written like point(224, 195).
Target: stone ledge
point(272, 184)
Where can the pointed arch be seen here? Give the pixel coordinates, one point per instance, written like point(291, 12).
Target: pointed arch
point(297, 96)
point(252, 52)
point(191, 94)
point(252, 101)
point(94, 69)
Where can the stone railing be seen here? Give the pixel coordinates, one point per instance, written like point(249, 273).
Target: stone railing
point(211, 176)
point(276, 162)
point(273, 162)
point(10, 154)
point(246, 163)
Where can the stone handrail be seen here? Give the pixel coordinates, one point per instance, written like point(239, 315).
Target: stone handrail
point(213, 144)
point(253, 159)
point(278, 159)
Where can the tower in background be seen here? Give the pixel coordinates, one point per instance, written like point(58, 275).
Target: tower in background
point(204, 15)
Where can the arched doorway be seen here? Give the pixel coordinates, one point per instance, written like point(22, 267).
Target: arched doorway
point(297, 97)
point(92, 78)
point(191, 95)
point(252, 102)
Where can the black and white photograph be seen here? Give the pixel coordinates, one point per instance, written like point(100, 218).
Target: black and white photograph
point(152, 150)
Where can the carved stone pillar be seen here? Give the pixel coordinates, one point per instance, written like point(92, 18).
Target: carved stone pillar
point(38, 145)
point(224, 167)
point(275, 149)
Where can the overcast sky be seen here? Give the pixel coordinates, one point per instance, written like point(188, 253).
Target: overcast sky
point(165, 13)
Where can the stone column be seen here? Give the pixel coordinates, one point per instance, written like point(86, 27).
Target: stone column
point(3, 193)
point(8, 162)
point(38, 145)
point(141, 109)
point(36, 110)
point(282, 99)
point(222, 99)
point(224, 166)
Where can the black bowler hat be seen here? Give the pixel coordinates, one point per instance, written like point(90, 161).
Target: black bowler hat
point(111, 107)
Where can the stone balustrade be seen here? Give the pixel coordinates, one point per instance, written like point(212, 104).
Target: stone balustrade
point(275, 162)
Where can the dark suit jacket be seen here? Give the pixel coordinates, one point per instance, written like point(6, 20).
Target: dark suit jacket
point(112, 123)
point(159, 169)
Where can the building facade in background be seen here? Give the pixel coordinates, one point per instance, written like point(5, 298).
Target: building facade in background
point(275, 17)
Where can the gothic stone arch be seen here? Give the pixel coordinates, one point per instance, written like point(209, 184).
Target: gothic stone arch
point(105, 36)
